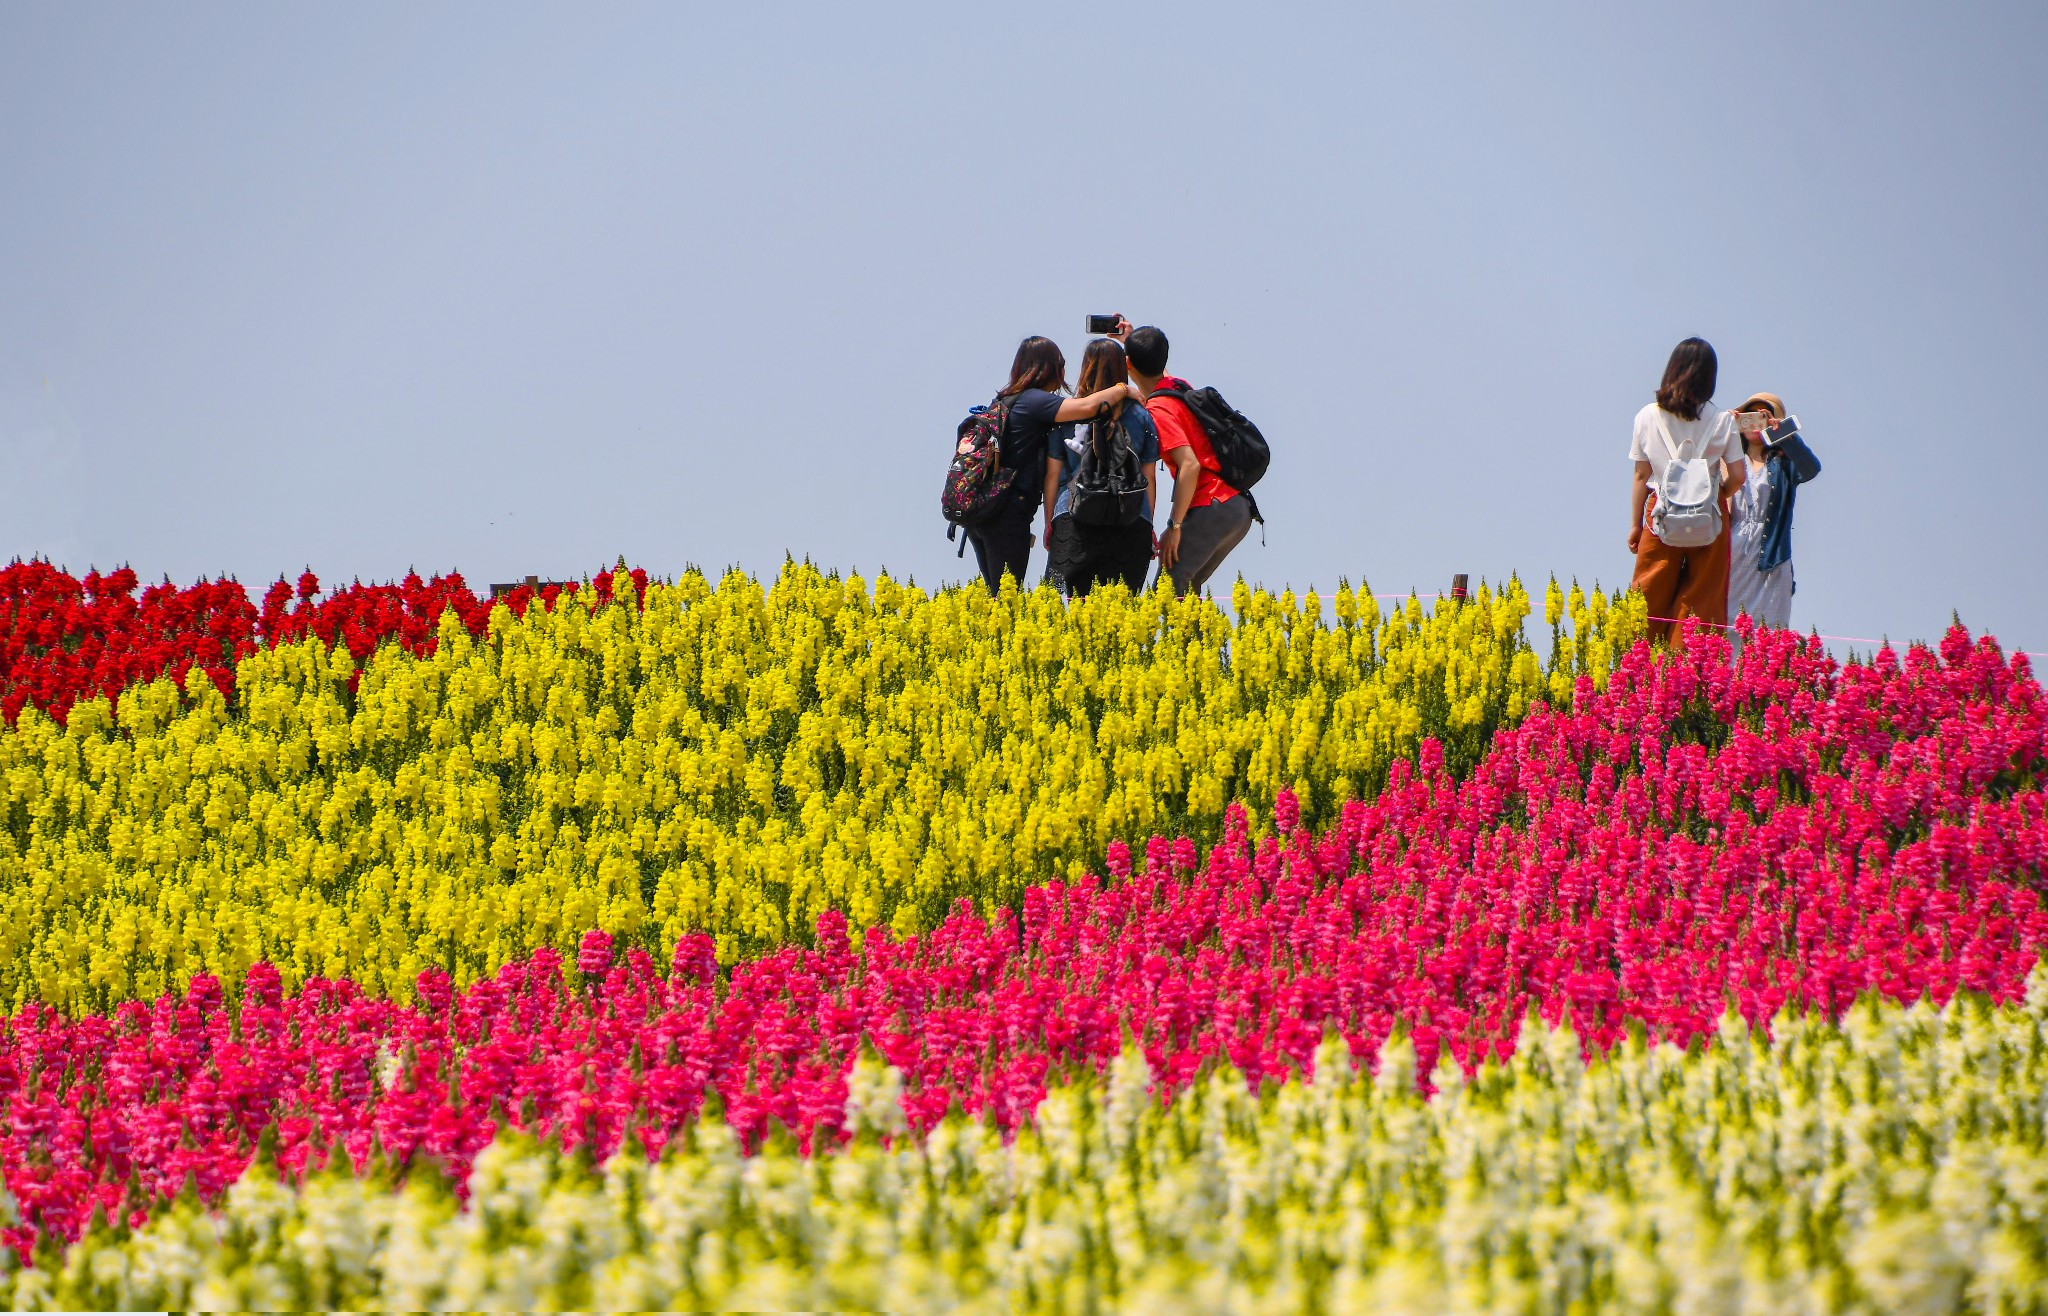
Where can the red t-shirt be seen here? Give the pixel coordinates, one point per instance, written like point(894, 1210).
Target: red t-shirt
point(1178, 428)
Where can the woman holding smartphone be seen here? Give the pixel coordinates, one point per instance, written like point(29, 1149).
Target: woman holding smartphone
point(1760, 580)
point(1084, 556)
point(1038, 377)
point(1682, 425)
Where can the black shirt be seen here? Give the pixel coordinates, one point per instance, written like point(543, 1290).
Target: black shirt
point(1034, 415)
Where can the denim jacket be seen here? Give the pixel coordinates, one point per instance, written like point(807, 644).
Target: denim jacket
point(1790, 463)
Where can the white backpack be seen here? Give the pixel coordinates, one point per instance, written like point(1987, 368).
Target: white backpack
point(1688, 510)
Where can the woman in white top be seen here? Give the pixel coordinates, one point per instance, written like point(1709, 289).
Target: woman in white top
point(1683, 424)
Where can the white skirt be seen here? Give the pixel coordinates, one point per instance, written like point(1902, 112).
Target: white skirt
point(1765, 595)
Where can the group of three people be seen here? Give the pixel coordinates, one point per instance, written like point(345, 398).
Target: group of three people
point(1758, 468)
point(1124, 394)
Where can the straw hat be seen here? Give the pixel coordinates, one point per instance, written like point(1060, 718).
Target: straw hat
point(1770, 402)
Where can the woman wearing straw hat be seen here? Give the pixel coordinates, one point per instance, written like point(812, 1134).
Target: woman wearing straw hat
point(1760, 580)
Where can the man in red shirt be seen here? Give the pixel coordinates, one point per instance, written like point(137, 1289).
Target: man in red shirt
point(1209, 517)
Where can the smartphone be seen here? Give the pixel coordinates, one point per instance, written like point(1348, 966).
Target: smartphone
point(1102, 324)
point(1754, 422)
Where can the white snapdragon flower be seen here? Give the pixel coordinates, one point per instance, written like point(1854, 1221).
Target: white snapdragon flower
point(874, 1099)
point(1903, 1262)
point(167, 1261)
point(1059, 1129)
point(1128, 1099)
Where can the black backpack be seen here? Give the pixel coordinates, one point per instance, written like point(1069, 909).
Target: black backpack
point(1109, 486)
point(1241, 451)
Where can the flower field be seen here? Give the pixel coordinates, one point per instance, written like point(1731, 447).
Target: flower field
point(62, 640)
point(735, 760)
point(1893, 1163)
point(835, 943)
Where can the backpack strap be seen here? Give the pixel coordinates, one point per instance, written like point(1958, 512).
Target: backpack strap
point(1676, 453)
point(1180, 395)
point(1000, 407)
point(1663, 436)
point(1096, 434)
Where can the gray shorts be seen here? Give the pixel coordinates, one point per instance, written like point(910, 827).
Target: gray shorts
point(1206, 538)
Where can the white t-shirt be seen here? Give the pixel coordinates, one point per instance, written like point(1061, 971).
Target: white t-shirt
point(1713, 436)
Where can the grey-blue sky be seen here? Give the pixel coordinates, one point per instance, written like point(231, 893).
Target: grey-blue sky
point(517, 289)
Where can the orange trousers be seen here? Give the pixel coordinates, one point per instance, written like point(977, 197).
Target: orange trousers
point(1683, 582)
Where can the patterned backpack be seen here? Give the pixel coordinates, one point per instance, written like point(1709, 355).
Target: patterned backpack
point(977, 482)
point(1688, 509)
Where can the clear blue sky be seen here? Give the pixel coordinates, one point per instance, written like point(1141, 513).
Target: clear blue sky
point(518, 289)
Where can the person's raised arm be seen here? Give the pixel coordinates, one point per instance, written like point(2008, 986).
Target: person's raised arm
point(1091, 406)
point(1640, 496)
point(1785, 440)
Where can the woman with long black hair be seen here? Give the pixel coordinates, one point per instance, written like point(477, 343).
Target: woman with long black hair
point(1084, 554)
point(1038, 379)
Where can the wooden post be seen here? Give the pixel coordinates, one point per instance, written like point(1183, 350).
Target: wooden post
point(1459, 592)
